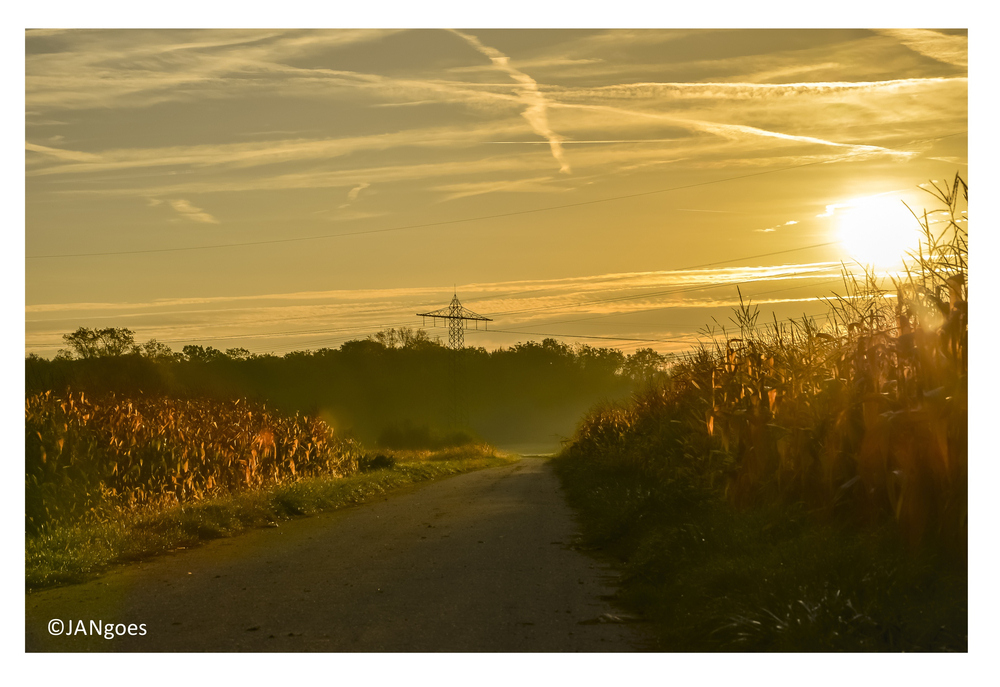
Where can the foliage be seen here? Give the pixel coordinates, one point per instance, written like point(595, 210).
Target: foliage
point(99, 343)
point(711, 577)
point(404, 337)
point(409, 436)
point(865, 420)
point(645, 365)
point(528, 392)
point(96, 458)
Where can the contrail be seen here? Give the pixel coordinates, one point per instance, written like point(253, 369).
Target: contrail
point(537, 112)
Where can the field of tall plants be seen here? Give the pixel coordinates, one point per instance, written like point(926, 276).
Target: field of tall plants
point(793, 487)
point(865, 418)
point(92, 459)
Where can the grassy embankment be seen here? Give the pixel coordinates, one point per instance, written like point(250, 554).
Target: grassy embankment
point(117, 480)
point(711, 577)
point(795, 489)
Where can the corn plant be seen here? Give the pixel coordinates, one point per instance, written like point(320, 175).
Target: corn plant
point(96, 458)
point(867, 416)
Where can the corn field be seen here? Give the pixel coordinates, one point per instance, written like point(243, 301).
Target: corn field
point(866, 418)
point(96, 458)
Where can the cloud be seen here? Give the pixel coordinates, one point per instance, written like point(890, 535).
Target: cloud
point(540, 63)
point(487, 166)
point(537, 112)
point(190, 212)
point(735, 131)
point(264, 318)
point(62, 154)
point(642, 121)
point(832, 208)
point(467, 189)
point(138, 69)
point(494, 293)
point(353, 194)
point(245, 154)
point(937, 46)
point(743, 90)
point(742, 119)
point(776, 227)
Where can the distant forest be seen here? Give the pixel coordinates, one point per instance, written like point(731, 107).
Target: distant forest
point(392, 388)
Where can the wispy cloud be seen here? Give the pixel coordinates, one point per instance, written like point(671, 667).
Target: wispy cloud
point(255, 130)
point(777, 226)
point(743, 90)
point(113, 69)
point(937, 46)
point(353, 194)
point(493, 293)
point(832, 208)
point(644, 124)
point(735, 131)
point(61, 154)
point(190, 212)
point(537, 112)
point(320, 178)
point(246, 154)
point(538, 63)
point(301, 320)
point(468, 189)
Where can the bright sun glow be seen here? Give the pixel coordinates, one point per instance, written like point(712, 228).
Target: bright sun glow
point(878, 232)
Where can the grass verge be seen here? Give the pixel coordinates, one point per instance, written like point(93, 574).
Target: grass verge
point(76, 553)
point(710, 578)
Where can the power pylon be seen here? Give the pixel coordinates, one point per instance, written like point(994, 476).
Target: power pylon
point(456, 315)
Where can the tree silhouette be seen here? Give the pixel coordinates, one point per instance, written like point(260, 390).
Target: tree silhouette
point(89, 343)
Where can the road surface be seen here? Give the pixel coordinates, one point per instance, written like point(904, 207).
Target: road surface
point(478, 562)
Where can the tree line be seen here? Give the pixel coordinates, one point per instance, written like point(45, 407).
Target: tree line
point(397, 382)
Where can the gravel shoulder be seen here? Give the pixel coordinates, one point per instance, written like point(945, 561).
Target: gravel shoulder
point(480, 562)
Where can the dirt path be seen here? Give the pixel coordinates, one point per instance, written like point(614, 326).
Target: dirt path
point(477, 562)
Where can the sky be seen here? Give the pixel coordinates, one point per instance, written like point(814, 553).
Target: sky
point(280, 190)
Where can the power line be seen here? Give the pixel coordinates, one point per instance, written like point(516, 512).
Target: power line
point(425, 225)
point(587, 336)
point(677, 269)
point(340, 339)
point(645, 295)
point(686, 289)
point(500, 296)
point(554, 307)
point(686, 337)
point(278, 334)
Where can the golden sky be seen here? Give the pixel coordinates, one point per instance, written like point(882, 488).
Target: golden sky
point(285, 190)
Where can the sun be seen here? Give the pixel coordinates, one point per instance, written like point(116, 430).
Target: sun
point(878, 232)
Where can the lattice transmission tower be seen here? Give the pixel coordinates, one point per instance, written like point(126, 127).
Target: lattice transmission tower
point(457, 316)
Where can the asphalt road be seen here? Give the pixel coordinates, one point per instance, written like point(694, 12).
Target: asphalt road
point(478, 562)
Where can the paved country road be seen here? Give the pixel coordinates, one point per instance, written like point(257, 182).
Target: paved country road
point(478, 562)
